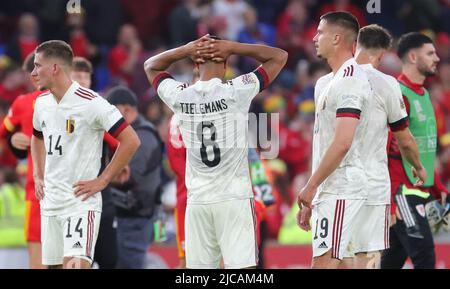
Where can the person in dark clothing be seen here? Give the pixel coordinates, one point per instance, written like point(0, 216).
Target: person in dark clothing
point(137, 195)
point(106, 246)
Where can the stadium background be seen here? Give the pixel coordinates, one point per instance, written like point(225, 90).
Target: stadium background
point(119, 35)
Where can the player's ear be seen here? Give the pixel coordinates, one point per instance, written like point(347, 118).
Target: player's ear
point(336, 39)
point(412, 56)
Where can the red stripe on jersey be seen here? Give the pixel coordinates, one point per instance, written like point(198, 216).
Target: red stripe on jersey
point(118, 128)
point(87, 92)
point(351, 70)
point(345, 72)
point(90, 233)
point(348, 114)
point(335, 221)
point(159, 78)
point(37, 133)
point(80, 95)
point(337, 228)
point(399, 125)
point(386, 228)
point(261, 73)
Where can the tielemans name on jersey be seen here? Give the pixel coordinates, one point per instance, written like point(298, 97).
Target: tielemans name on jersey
point(203, 108)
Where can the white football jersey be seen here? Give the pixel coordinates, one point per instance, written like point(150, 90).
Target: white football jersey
point(213, 120)
point(73, 132)
point(386, 108)
point(344, 94)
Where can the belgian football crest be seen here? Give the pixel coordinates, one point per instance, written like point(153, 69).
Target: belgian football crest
point(70, 125)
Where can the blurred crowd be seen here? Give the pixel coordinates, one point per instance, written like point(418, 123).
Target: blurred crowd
point(117, 36)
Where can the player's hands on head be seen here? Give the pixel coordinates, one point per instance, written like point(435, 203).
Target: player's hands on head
point(215, 49)
point(39, 188)
point(303, 218)
point(195, 47)
point(421, 174)
point(89, 188)
point(20, 141)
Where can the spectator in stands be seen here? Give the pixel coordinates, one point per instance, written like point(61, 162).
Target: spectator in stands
point(183, 22)
point(255, 32)
point(124, 56)
point(26, 39)
point(420, 14)
point(295, 32)
point(344, 5)
point(13, 84)
point(78, 39)
point(233, 12)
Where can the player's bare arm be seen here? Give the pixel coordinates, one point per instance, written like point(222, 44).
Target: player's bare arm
point(342, 141)
point(409, 150)
point(160, 62)
point(20, 141)
point(129, 143)
point(38, 155)
point(303, 217)
point(272, 59)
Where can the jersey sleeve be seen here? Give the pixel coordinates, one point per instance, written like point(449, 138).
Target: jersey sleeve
point(105, 116)
point(168, 88)
point(247, 86)
point(350, 96)
point(11, 121)
point(396, 109)
point(37, 129)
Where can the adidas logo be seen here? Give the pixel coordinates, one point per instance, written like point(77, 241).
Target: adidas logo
point(77, 246)
point(323, 245)
point(43, 124)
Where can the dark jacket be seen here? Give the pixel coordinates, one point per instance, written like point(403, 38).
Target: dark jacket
point(140, 195)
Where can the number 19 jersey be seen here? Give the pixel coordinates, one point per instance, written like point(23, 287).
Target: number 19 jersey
point(213, 120)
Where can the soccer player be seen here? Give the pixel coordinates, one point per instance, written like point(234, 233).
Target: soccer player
point(411, 236)
point(82, 71)
point(19, 124)
point(68, 126)
point(338, 177)
point(387, 109)
point(176, 153)
point(220, 219)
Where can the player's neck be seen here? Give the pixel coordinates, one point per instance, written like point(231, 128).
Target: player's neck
point(208, 76)
point(338, 59)
point(362, 58)
point(60, 88)
point(413, 74)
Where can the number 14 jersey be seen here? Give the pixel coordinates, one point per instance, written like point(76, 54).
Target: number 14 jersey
point(213, 120)
point(72, 131)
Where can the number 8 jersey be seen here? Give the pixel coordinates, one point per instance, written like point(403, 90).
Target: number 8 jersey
point(213, 120)
point(72, 131)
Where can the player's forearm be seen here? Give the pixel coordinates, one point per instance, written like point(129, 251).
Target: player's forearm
point(329, 163)
point(38, 156)
point(408, 148)
point(129, 143)
point(162, 61)
point(262, 53)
